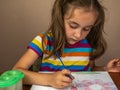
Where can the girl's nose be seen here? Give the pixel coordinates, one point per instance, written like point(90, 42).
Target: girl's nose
point(77, 34)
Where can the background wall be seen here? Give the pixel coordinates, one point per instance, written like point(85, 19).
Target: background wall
point(22, 20)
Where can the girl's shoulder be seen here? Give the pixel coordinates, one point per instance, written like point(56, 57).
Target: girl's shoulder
point(45, 35)
point(45, 38)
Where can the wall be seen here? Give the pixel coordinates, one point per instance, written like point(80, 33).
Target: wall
point(112, 29)
point(21, 20)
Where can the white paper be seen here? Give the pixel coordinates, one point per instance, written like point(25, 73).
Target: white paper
point(86, 81)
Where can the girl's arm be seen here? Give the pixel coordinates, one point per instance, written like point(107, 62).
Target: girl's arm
point(24, 64)
point(57, 80)
point(112, 66)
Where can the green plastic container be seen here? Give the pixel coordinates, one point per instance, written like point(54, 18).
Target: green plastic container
point(11, 80)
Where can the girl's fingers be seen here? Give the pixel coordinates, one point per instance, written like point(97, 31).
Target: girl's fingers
point(118, 63)
point(64, 71)
point(114, 65)
point(68, 75)
point(115, 61)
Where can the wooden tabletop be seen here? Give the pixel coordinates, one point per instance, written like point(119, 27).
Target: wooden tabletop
point(114, 76)
point(116, 79)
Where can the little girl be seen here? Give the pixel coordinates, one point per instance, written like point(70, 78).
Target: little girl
point(76, 36)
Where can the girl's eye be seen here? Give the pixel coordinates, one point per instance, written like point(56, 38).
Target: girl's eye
point(86, 29)
point(74, 26)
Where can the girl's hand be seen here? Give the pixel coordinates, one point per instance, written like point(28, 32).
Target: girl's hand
point(60, 80)
point(113, 65)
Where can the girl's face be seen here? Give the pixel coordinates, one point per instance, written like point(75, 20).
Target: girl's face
point(78, 25)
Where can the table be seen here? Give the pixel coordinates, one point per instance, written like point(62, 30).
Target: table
point(116, 79)
point(115, 76)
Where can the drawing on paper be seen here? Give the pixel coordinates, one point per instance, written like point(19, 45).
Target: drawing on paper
point(96, 84)
point(92, 82)
point(86, 81)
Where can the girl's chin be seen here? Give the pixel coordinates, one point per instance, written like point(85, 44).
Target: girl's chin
point(72, 43)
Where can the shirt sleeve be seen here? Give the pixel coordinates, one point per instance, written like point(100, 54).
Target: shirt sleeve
point(36, 45)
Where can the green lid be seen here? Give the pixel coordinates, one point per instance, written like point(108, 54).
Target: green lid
point(10, 78)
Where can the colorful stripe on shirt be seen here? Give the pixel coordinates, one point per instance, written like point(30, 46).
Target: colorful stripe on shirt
point(75, 57)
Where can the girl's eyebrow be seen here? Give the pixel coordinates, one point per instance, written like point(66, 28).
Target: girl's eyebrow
point(89, 26)
point(79, 24)
point(73, 22)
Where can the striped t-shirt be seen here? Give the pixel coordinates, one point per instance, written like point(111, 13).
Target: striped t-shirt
point(75, 57)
